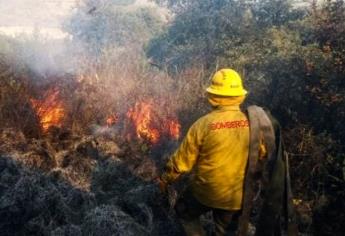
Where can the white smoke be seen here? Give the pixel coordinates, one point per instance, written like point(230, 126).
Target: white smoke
point(35, 27)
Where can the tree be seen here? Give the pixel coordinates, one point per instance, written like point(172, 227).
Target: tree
point(104, 24)
point(209, 31)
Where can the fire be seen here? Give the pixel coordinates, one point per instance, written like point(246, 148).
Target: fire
point(149, 126)
point(142, 118)
point(112, 120)
point(174, 129)
point(50, 109)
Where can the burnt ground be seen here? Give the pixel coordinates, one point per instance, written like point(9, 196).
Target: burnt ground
point(64, 184)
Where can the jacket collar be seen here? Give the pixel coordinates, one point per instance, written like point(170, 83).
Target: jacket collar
point(228, 108)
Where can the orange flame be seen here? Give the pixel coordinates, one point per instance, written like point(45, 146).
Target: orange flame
point(149, 126)
point(174, 129)
point(50, 110)
point(141, 116)
point(112, 120)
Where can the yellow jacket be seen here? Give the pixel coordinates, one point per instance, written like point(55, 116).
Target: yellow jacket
point(217, 147)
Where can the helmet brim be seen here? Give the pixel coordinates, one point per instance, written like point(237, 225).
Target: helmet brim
point(241, 92)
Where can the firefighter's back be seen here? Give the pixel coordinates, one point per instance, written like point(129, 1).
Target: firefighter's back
point(223, 155)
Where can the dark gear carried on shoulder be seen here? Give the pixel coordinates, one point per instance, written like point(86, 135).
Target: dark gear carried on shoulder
point(272, 173)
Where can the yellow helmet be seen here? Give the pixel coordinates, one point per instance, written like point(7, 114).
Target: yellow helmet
point(226, 82)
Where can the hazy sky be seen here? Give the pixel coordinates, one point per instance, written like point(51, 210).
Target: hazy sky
point(23, 16)
point(28, 13)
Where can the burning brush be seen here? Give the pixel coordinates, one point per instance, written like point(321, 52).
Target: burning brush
point(144, 122)
point(50, 109)
point(147, 125)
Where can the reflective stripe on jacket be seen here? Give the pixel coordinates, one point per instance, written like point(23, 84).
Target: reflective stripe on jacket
point(216, 146)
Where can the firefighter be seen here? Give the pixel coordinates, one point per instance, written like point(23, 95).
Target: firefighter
point(216, 147)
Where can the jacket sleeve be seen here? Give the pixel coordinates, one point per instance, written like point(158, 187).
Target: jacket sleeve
point(183, 160)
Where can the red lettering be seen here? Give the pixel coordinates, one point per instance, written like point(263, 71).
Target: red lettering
point(229, 125)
